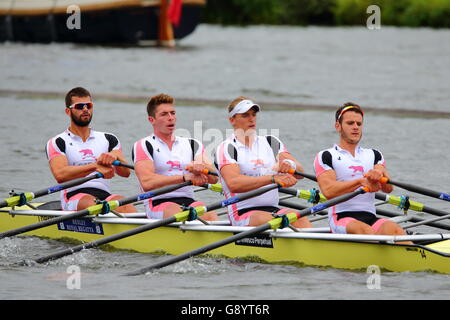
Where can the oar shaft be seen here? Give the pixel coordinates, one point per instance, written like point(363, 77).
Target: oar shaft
point(306, 175)
point(417, 189)
point(253, 231)
point(121, 164)
point(156, 224)
point(201, 250)
point(93, 210)
point(13, 201)
point(416, 206)
point(102, 241)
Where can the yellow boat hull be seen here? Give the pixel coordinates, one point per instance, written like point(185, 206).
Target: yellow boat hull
point(353, 255)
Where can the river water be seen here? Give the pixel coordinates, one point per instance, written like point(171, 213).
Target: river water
point(395, 68)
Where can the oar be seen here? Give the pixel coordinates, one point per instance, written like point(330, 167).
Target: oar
point(272, 224)
point(126, 165)
point(94, 210)
point(417, 189)
point(413, 205)
point(306, 175)
point(406, 186)
point(379, 211)
point(178, 217)
point(393, 200)
point(23, 198)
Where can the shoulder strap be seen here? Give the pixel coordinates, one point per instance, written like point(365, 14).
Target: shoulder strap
point(113, 141)
point(274, 143)
point(377, 156)
point(327, 158)
point(232, 151)
point(194, 147)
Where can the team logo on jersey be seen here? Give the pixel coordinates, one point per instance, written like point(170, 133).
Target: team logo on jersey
point(87, 153)
point(174, 165)
point(258, 163)
point(357, 169)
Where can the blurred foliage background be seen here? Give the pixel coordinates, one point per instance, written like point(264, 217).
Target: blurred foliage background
point(408, 13)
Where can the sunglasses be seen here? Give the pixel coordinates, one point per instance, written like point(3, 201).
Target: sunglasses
point(81, 105)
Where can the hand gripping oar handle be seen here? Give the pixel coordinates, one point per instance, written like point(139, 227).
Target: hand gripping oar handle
point(417, 189)
point(93, 210)
point(204, 171)
point(28, 196)
point(178, 217)
point(272, 224)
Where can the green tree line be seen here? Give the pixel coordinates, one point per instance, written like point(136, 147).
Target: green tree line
point(410, 13)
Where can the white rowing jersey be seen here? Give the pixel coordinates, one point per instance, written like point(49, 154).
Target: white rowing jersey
point(255, 161)
point(168, 162)
point(349, 168)
point(79, 152)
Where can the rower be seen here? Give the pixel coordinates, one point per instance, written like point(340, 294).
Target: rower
point(163, 159)
point(247, 161)
point(346, 167)
point(80, 151)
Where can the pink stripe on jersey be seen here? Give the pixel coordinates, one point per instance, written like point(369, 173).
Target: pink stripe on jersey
point(139, 152)
point(51, 150)
point(317, 167)
point(222, 159)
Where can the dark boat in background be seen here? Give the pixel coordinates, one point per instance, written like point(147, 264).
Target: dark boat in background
point(99, 21)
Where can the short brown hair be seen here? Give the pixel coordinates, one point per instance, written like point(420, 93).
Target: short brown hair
point(235, 102)
point(351, 106)
point(76, 92)
point(155, 101)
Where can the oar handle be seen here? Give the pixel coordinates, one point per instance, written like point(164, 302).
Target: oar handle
point(305, 175)
point(207, 172)
point(121, 164)
point(204, 171)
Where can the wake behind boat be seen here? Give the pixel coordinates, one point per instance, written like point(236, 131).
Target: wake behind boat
point(309, 247)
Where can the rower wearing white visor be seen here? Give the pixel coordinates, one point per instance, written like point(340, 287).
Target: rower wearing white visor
point(247, 161)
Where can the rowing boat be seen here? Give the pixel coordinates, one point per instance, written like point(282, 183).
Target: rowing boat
point(309, 247)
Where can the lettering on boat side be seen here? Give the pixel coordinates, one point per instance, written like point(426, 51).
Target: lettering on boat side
point(43, 218)
point(81, 225)
point(262, 241)
point(422, 252)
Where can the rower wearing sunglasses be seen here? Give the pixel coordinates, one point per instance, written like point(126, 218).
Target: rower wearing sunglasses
point(80, 151)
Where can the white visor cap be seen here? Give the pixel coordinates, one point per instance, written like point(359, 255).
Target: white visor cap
point(243, 107)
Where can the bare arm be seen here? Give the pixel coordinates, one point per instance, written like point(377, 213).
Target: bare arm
point(149, 180)
point(62, 172)
point(238, 183)
point(332, 188)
